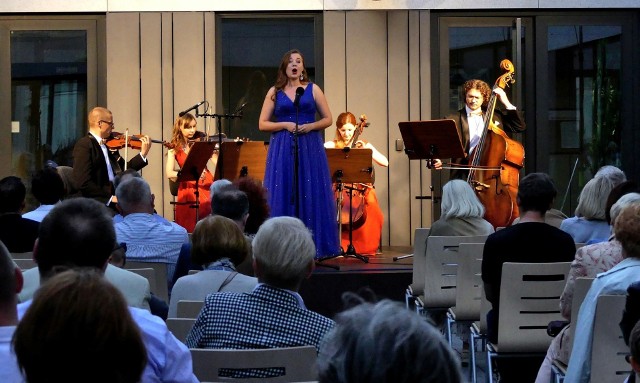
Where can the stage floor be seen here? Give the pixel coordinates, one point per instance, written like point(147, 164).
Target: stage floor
point(387, 278)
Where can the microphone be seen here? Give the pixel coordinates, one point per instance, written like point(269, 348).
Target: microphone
point(299, 93)
point(190, 109)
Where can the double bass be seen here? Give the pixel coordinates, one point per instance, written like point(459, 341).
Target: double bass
point(495, 167)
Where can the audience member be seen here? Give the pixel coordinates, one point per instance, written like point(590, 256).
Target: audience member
point(634, 358)
point(631, 313)
point(273, 314)
point(614, 281)
point(590, 261)
point(10, 285)
point(147, 239)
point(79, 232)
point(461, 212)
point(67, 321)
point(589, 221)
point(530, 241)
point(17, 233)
point(48, 189)
point(131, 173)
point(219, 245)
point(381, 343)
point(258, 203)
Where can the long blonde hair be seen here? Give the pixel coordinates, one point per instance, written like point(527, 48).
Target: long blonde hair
point(177, 138)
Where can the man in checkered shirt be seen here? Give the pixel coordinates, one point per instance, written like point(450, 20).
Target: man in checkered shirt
point(273, 314)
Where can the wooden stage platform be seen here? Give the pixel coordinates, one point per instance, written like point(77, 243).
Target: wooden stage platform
point(386, 277)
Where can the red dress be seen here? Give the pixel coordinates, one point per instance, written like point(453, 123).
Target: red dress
point(366, 237)
point(186, 215)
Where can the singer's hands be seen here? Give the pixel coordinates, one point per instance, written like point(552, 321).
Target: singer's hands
point(302, 128)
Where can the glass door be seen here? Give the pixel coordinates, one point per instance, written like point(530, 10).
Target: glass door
point(48, 79)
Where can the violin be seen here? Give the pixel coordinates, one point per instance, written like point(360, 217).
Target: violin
point(118, 141)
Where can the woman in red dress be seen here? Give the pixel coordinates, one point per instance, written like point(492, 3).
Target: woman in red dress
point(368, 227)
point(184, 133)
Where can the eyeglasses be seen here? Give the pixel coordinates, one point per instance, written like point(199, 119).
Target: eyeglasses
point(111, 124)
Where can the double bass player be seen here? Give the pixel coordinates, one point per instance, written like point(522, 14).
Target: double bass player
point(470, 119)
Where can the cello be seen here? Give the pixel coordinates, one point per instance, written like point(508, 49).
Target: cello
point(354, 208)
point(495, 167)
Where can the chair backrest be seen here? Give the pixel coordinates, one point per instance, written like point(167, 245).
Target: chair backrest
point(608, 353)
point(299, 363)
point(189, 309)
point(441, 269)
point(529, 296)
point(419, 256)
point(580, 288)
point(25, 255)
point(180, 327)
point(469, 281)
point(148, 273)
point(160, 288)
point(25, 263)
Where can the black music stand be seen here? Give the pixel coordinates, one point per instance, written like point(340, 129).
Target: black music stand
point(430, 140)
point(242, 159)
point(194, 165)
point(349, 166)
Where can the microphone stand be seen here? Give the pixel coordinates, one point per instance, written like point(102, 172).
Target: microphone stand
point(294, 193)
point(219, 117)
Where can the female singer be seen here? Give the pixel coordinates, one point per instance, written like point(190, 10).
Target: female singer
point(366, 237)
point(184, 132)
point(294, 98)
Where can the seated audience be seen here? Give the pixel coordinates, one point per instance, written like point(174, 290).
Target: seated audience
point(530, 241)
point(147, 239)
point(10, 285)
point(48, 189)
point(589, 221)
point(383, 342)
point(631, 313)
point(219, 245)
point(68, 322)
point(258, 203)
point(590, 261)
point(634, 358)
point(615, 281)
point(17, 233)
point(79, 232)
point(273, 314)
point(118, 179)
point(462, 212)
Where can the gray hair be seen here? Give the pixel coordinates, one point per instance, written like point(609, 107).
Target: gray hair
point(460, 201)
point(593, 197)
point(611, 172)
point(283, 249)
point(625, 200)
point(133, 192)
point(384, 342)
point(218, 184)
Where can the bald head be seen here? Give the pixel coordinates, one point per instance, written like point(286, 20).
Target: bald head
point(100, 121)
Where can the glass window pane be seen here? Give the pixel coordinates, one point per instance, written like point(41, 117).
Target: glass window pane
point(249, 70)
point(49, 97)
point(584, 104)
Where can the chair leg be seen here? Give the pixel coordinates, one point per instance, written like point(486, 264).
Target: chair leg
point(449, 322)
point(489, 367)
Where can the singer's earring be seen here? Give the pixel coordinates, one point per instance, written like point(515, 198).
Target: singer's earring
point(302, 77)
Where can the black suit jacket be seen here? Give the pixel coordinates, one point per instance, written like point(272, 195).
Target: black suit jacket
point(90, 174)
point(507, 120)
point(18, 234)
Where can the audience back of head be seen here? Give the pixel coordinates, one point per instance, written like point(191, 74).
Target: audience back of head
point(134, 196)
point(383, 342)
point(77, 232)
point(218, 237)
point(593, 197)
point(258, 204)
point(627, 230)
point(78, 329)
point(536, 192)
point(47, 186)
point(616, 193)
point(460, 201)
point(230, 202)
point(12, 194)
point(283, 251)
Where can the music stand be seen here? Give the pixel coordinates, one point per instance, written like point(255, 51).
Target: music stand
point(199, 153)
point(349, 166)
point(242, 159)
point(428, 140)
